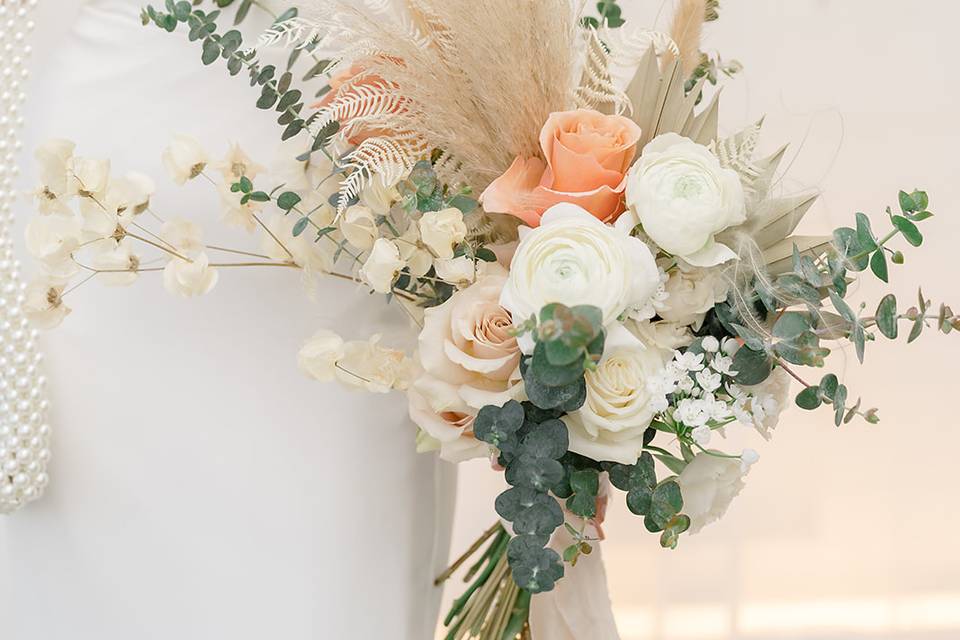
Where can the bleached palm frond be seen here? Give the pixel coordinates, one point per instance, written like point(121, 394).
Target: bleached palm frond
point(356, 101)
point(597, 89)
point(388, 158)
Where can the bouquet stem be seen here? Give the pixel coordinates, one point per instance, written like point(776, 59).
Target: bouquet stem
point(493, 607)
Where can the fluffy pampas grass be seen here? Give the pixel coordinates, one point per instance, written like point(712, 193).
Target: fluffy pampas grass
point(686, 31)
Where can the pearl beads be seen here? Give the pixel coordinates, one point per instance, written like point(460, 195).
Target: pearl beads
point(24, 434)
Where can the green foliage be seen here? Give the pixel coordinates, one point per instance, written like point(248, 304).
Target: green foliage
point(530, 452)
point(609, 14)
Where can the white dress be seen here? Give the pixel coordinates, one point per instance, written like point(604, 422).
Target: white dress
point(200, 486)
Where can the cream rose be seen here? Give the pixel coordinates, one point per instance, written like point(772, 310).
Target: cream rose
point(442, 231)
point(709, 484)
point(574, 259)
point(619, 405)
point(691, 293)
point(469, 359)
point(682, 196)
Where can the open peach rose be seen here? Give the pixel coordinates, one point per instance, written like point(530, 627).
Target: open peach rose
point(587, 157)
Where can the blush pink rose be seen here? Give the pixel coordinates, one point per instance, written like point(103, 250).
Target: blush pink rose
point(587, 157)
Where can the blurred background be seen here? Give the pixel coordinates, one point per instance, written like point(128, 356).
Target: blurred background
point(840, 533)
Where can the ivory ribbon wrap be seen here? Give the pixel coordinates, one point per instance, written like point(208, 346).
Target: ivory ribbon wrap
point(579, 607)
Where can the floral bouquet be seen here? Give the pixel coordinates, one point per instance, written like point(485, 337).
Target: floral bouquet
point(601, 283)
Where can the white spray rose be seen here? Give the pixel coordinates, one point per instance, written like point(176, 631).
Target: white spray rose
point(188, 279)
point(709, 484)
point(682, 196)
point(319, 355)
point(442, 231)
point(185, 235)
point(118, 263)
point(691, 293)
point(663, 335)
point(367, 365)
point(382, 266)
point(52, 238)
point(52, 157)
point(760, 405)
point(460, 271)
point(184, 158)
point(575, 259)
point(419, 260)
point(620, 403)
point(359, 227)
point(44, 305)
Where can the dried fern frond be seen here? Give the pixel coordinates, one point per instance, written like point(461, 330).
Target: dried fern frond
point(387, 158)
point(357, 100)
point(686, 30)
point(597, 89)
point(736, 152)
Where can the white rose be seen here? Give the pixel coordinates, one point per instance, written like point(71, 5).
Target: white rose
point(44, 305)
point(379, 197)
point(184, 158)
point(460, 271)
point(359, 227)
point(708, 485)
point(682, 196)
point(442, 231)
point(663, 335)
point(319, 355)
point(575, 259)
point(367, 365)
point(382, 266)
point(52, 238)
point(188, 279)
point(619, 405)
point(691, 293)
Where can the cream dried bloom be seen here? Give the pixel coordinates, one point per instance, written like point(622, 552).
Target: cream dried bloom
point(44, 305)
point(237, 164)
point(188, 279)
point(370, 366)
point(319, 355)
point(184, 158)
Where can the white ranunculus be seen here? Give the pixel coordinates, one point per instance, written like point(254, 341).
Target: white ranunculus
point(575, 259)
point(184, 158)
point(442, 231)
point(237, 164)
point(367, 365)
point(118, 263)
point(383, 266)
point(319, 355)
point(188, 279)
point(620, 404)
point(359, 227)
point(44, 305)
point(185, 235)
point(691, 293)
point(52, 238)
point(682, 196)
point(708, 485)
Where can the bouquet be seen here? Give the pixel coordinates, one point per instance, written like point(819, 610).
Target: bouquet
point(600, 282)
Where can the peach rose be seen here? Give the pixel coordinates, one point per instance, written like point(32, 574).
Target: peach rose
point(587, 157)
point(469, 359)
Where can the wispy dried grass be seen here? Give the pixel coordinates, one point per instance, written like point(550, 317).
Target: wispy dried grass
point(687, 30)
point(478, 77)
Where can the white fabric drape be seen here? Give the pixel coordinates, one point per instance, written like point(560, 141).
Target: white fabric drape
point(201, 487)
